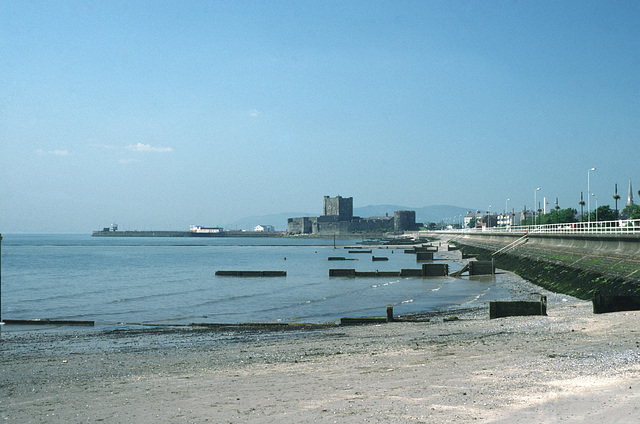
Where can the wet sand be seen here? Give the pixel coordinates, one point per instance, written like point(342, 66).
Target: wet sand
point(570, 366)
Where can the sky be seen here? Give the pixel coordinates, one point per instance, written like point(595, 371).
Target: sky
point(162, 114)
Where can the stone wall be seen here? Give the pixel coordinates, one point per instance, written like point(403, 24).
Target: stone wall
point(404, 221)
point(300, 225)
point(341, 207)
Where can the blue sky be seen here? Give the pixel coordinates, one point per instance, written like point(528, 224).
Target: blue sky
point(158, 115)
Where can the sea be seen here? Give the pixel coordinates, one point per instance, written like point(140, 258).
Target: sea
point(133, 281)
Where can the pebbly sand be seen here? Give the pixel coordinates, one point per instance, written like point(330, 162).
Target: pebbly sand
point(570, 366)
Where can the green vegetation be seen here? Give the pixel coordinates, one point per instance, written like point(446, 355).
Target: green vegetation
point(632, 212)
point(557, 216)
point(603, 213)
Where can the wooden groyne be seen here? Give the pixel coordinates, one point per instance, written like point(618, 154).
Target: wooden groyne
point(47, 321)
point(427, 270)
point(251, 273)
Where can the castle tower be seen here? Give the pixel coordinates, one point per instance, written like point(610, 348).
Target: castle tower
point(342, 207)
point(630, 198)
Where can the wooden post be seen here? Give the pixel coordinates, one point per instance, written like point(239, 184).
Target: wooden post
point(389, 313)
point(1, 280)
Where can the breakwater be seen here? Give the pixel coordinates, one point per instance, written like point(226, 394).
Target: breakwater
point(579, 266)
point(153, 233)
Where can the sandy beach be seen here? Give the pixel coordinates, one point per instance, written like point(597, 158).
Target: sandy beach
point(569, 366)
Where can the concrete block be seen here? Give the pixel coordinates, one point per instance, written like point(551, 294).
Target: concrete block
point(342, 272)
point(411, 273)
point(500, 309)
point(482, 267)
point(424, 256)
point(435, 270)
point(615, 303)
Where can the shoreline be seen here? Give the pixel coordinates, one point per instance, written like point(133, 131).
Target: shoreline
point(570, 365)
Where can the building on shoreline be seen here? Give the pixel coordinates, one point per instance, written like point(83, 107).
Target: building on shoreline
point(337, 218)
point(204, 230)
point(485, 219)
point(264, 228)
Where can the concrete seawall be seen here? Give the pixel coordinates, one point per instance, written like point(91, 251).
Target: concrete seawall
point(578, 265)
point(613, 244)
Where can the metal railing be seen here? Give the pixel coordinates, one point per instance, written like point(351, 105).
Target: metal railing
point(621, 226)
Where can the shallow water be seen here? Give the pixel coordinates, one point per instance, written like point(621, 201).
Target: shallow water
point(173, 281)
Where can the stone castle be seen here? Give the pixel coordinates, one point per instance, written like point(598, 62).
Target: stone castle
point(337, 218)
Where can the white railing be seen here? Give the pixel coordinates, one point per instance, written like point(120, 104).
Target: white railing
point(626, 226)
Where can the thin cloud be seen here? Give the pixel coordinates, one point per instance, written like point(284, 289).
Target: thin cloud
point(140, 147)
point(53, 152)
point(126, 160)
point(254, 113)
point(106, 146)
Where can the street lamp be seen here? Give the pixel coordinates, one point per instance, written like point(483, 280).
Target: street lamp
point(535, 202)
point(506, 212)
point(616, 196)
point(589, 194)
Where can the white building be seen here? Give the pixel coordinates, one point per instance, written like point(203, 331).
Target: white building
point(506, 219)
point(198, 229)
point(264, 228)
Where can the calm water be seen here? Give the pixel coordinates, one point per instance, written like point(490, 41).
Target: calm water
point(171, 280)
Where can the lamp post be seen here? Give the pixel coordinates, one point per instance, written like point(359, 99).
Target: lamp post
point(616, 196)
point(596, 197)
point(589, 193)
point(535, 202)
point(506, 212)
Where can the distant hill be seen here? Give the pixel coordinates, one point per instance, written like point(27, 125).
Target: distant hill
point(435, 213)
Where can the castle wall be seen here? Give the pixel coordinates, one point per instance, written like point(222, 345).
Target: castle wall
point(371, 224)
point(404, 221)
point(337, 218)
point(300, 225)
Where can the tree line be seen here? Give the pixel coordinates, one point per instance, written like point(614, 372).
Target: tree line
point(601, 213)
